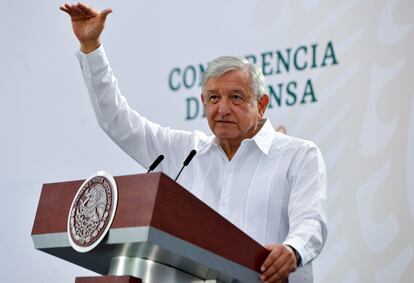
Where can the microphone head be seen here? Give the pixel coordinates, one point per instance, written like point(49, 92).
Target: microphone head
point(156, 162)
point(189, 157)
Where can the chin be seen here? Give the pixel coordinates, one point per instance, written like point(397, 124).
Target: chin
point(223, 135)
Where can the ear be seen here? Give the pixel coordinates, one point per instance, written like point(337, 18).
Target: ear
point(262, 105)
point(202, 98)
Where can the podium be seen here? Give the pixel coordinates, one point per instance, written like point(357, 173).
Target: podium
point(160, 233)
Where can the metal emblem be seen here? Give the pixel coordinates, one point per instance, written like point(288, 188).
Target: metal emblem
point(92, 212)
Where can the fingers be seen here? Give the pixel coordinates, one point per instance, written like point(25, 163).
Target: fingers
point(106, 12)
point(274, 271)
point(78, 11)
point(270, 265)
point(278, 264)
point(66, 9)
point(90, 11)
point(275, 251)
point(280, 274)
point(72, 10)
point(87, 10)
point(81, 10)
point(277, 274)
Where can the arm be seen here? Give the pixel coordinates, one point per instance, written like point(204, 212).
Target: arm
point(307, 203)
point(307, 216)
point(138, 137)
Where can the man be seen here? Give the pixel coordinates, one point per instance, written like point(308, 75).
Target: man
point(270, 185)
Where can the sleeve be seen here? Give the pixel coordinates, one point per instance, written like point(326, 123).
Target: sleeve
point(138, 137)
point(307, 203)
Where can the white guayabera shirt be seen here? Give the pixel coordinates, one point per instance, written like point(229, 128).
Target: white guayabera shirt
point(274, 188)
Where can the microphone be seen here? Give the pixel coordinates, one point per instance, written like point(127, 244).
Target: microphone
point(186, 162)
point(155, 163)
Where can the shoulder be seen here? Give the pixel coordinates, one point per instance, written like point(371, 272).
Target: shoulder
point(284, 142)
point(202, 141)
point(297, 152)
point(196, 139)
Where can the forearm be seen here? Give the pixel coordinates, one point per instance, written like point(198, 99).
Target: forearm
point(138, 137)
point(307, 204)
point(126, 127)
point(308, 240)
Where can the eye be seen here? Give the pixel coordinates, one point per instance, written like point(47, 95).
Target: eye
point(237, 99)
point(213, 98)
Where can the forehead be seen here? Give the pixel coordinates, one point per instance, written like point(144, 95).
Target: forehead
point(234, 79)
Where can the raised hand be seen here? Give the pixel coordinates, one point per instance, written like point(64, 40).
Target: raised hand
point(87, 24)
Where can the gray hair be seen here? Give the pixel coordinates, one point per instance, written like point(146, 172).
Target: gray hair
point(224, 64)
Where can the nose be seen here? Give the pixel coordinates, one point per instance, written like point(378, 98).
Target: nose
point(224, 106)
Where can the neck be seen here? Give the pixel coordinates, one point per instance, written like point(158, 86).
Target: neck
point(230, 147)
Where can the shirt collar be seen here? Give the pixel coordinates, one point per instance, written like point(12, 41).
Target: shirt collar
point(263, 139)
point(264, 136)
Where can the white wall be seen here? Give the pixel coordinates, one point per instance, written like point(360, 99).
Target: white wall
point(363, 119)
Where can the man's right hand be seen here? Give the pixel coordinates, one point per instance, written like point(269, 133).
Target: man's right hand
point(87, 24)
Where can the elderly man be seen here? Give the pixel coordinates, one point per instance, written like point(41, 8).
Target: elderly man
point(271, 186)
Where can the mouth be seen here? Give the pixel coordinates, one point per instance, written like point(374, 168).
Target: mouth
point(225, 122)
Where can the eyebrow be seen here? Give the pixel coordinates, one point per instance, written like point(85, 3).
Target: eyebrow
point(241, 90)
point(238, 90)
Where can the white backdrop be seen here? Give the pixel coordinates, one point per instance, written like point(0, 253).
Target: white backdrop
point(359, 108)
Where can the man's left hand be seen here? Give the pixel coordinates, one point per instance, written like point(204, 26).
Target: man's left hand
point(280, 262)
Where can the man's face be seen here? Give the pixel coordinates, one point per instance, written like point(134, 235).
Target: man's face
point(232, 110)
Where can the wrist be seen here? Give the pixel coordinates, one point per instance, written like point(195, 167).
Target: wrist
point(88, 47)
point(297, 255)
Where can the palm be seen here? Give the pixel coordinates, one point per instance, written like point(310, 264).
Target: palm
point(87, 28)
point(87, 23)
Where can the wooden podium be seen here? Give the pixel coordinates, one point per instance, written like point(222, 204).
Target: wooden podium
point(160, 233)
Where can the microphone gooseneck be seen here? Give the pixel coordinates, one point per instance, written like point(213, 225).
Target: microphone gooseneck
point(155, 163)
point(186, 162)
